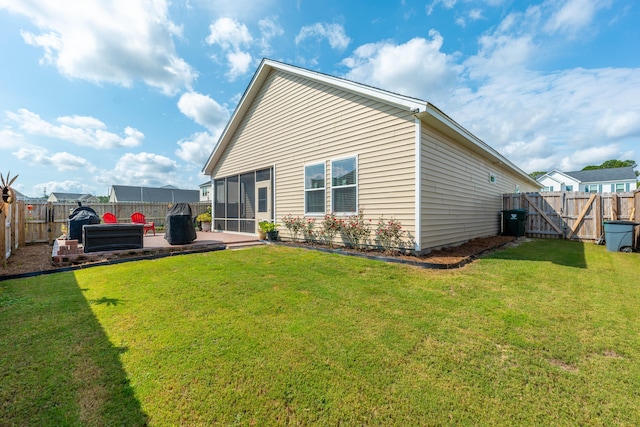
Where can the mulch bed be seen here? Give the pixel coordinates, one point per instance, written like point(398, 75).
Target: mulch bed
point(450, 257)
point(35, 258)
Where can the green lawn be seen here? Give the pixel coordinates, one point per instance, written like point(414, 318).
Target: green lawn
point(547, 333)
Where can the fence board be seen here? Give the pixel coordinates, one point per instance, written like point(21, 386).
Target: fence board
point(573, 215)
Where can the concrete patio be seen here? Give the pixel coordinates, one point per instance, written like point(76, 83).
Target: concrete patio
point(157, 245)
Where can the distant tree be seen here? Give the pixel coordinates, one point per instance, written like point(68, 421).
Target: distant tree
point(103, 199)
point(611, 164)
point(536, 175)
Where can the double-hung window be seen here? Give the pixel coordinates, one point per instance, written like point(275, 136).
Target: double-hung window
point(344, 185)
point(591, 188)
point(620, 187)
point(314, 189)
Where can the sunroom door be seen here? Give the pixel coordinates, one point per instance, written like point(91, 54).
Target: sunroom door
point(263, 202)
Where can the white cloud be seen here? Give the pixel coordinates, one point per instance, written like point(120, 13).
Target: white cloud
point(573, 16)
point(203, 110)
point(197, 148)
point(239, 63)
point(447, 4)
point(93, 41)
point(229, 33)
point(62, 161)
point(10, 139)
point(68, 186)
point(416, 68)
point(334, 33)
point(80, 130)
point(620, 122)
point(141, 169)
point(475, 14)
point(232, 37)
point(82, 122)
point(269, 28)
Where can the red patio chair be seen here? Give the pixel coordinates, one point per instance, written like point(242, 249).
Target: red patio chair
point(138, 218)
point(109, 218)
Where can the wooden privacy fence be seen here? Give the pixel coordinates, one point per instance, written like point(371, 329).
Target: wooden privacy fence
point(26, 223)
point(573, 215)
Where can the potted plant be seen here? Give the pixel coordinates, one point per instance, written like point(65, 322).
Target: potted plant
point(205, 221)
point(269, 229)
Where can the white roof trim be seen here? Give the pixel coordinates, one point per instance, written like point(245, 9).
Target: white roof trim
point(557, 172)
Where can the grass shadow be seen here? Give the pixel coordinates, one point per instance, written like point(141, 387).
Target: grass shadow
point(561, 252)
point(58, 366)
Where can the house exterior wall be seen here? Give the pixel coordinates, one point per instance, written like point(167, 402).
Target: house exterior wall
point(294, 122)
point(608, 186)
point(205, 193)
point(558, 182)
point(459, 200)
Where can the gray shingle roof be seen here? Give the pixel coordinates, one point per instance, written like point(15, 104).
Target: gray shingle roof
point(597, 175)
point(125, 193)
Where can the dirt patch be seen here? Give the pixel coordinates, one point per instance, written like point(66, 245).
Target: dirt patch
point(28, 259)
point(32, 258)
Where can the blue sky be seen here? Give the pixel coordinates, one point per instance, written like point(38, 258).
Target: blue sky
point(95, 93)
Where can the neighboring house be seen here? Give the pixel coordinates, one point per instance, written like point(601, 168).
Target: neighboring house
point(205, 191)
point(308, 144)
point(614, 180)
point(72, 197)
point(168, 194)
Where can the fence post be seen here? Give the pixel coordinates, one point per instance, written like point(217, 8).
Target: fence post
point(3, 240)
point(635, 214)
point(22, 224)
point(614, 206)
point(598, 214)
point(50, 223)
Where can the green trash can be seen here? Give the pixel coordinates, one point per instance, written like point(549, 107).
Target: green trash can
point(618, 235)
point(513, 222)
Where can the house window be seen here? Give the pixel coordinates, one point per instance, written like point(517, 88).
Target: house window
point(219, 200)
point(620, 187)
point(549, 188)
point(492, 178)
point(344, 185)
point(517, 188)
point(314, 189)
point(205, 191)
point(262, 200)
point(569, 188)
point(591, 188)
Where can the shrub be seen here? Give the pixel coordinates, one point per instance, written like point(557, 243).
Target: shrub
point(330, 226)
point(389, 233)
point(356, 229)
point(294, 225)
point(308, 230)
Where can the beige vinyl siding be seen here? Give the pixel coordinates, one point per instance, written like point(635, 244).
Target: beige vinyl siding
point(294, 121)
point(458, 200)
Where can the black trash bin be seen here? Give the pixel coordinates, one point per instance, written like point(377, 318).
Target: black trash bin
point(179, 228)
point(513, 222)
point(80, 216)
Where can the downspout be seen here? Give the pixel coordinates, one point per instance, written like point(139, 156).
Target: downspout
point(418, 184)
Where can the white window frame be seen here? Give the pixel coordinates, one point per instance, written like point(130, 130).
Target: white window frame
point(615, 187)
point(493, 179)
point(323, 189)
point(590, 186)
point(355, 185)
